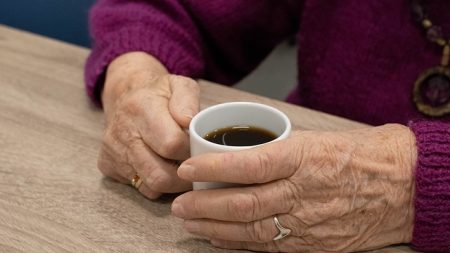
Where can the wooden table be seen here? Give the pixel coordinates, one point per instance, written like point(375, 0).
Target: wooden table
point(52, 197)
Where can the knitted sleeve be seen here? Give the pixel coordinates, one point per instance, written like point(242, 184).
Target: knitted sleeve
point(432, 197)
point(220, 40)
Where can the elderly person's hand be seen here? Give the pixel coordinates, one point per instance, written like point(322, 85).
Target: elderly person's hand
point(147, 112)
point(336, 191)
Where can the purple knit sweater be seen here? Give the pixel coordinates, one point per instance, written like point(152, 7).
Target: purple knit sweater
point(357, 59)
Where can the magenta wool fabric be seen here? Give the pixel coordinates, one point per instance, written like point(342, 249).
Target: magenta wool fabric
point(357, 59)
point(432, 200)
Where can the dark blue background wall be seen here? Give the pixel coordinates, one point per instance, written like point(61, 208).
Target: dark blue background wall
point(61, 19)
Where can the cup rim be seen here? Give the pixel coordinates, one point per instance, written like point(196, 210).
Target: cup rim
point(196, 118)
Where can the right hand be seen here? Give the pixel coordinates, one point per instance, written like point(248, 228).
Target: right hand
point(147, 111)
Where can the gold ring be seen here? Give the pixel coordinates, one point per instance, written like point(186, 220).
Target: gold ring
point(136, 181)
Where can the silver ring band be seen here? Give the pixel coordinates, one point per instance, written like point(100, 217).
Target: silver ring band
point(283, 231)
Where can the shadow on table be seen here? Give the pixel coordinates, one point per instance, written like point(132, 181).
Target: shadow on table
point(159, 207)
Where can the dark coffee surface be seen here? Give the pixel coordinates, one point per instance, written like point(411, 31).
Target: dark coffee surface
point(240, 136)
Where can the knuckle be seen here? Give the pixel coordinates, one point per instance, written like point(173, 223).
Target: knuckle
point(197, 207)
point(178, 78)
point(127, 136)
point(174, 80)
point(172, 143)
point(159, 183)
point(214, 231)
point(256, 232)
point(260, 172)
point(289, 193)
point(121, 130)
point(255, 204)
point(187, 82)
point(242, 208)
point(133, 105)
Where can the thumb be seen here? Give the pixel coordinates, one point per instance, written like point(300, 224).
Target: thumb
point(184, 101)
point(257, 165)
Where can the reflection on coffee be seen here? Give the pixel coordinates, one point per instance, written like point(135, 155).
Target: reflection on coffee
point(240, 136)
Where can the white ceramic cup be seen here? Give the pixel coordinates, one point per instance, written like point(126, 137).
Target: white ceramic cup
point(232, 114)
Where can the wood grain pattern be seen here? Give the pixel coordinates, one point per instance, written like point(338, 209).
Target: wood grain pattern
point(52, 198)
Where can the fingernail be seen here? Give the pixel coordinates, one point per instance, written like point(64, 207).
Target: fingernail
point(186, 171)
point(154, 176)
point(177, 210)
point(188, 116)
point(191, 226)
point(188, 113)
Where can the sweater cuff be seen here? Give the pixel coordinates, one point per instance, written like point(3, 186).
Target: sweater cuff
point(432, 197)
point(178, 59)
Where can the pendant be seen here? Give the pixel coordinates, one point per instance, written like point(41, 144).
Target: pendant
point(431, 92)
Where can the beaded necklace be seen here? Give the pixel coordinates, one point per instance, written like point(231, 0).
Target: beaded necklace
point(431, 92)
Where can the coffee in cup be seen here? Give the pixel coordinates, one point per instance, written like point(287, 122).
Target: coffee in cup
point(235, 126)
point(240, 135)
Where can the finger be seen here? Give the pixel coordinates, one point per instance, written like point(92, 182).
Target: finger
point(158, 174)
point(289, 244)
point(236, 204)
point(257, 165)
point(260, 231)
point(160, 131)
point(149, 193)
point(143, 189)
point(107, 165)
point(184, 102)
point(133, 161)
point(117, 155)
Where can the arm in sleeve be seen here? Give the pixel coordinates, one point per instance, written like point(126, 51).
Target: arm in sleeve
point(432, 196)
point(220, 40)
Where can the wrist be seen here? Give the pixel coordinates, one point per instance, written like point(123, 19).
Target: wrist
point(410, 158)
point(387, 155)
point(402, 173)
point(128, 71)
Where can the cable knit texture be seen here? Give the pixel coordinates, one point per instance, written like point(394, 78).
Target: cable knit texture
point(357, 59)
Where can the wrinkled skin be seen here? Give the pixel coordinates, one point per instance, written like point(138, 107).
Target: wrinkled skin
point(338, 192)
point(147, 112)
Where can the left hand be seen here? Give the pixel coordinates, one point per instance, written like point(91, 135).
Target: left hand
point(337, 191)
